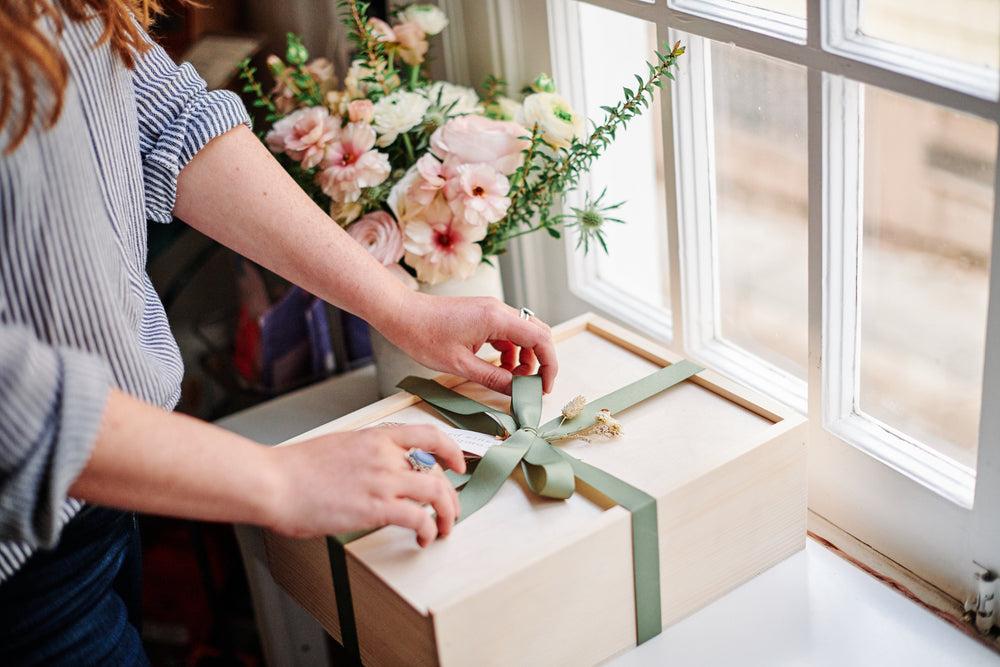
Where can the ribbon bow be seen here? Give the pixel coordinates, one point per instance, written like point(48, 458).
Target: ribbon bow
point(551, 472)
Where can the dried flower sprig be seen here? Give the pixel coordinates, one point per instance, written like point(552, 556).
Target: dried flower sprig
point(573, 409)
point(604, 425)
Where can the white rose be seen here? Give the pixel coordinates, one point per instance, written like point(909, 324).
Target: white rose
point(398, 113)
point(555, 118)
point(430, 18)
point(465, 100)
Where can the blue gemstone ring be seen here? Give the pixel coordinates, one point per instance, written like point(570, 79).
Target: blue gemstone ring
point(420, 460)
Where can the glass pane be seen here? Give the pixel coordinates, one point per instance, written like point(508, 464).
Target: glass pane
point(791, 7)
point(928, 210)
point(761, 165)
point(964, 30)
point(632, 168)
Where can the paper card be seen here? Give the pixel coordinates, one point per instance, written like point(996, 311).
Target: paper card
point(471, 442)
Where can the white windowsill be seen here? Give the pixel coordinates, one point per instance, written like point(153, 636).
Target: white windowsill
point(812, 609)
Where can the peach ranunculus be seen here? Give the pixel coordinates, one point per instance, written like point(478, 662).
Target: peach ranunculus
point(473, 140)
point(477, 194)
point(379, 234)
point(412, 43)
point(351, 163)
point(304, 135)
point(361, 111)
point(439, 246)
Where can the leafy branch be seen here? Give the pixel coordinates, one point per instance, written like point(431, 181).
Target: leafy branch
point(546, 174)
point(354, 17)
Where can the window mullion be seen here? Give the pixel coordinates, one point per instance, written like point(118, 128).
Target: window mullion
point(694, 142)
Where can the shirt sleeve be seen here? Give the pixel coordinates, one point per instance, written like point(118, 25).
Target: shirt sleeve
point(51, 404)
point(177, 117)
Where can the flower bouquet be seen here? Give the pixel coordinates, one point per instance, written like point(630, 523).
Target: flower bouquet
point(434, 178)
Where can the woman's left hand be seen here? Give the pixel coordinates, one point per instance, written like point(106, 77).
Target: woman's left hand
point(444, 333)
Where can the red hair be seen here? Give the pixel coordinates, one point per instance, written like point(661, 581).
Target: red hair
point(28, 54)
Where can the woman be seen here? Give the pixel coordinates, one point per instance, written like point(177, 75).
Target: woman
point(102, 131)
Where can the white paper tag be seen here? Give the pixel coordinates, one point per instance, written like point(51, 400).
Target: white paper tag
point(471, 442)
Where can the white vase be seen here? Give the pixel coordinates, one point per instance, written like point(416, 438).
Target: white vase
point(392, 364)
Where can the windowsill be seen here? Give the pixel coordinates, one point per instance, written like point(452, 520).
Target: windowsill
point(812, 609)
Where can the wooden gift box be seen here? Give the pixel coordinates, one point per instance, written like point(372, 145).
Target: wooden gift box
point(528, 580)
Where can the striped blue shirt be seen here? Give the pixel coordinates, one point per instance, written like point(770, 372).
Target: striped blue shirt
point(78, 314)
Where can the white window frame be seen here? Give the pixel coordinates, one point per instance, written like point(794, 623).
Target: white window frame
point(864, 477)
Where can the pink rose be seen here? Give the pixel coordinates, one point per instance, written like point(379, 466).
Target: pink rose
point(379, 234)
point(412, 43)
point(361, 111)
point(474, 139)
point(304, 135)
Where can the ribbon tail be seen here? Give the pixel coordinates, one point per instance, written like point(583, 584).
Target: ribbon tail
point(460, 410)
point(623, 398)
point(645, 543)
point(493, 470)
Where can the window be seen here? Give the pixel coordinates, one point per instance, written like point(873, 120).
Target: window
point(811, 208)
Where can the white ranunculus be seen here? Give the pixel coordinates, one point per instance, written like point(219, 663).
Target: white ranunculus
point(430, 18)
point(555, 118)
point(504, 108)
point(465, 100)
point(398, 113)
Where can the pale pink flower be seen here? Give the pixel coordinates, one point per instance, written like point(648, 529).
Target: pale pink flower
point(478, 194)
point(439, 246)
point(383, 31)
point(432, 178)
point(304, 135)
point(351, 163)
point(412, 43)
point(379, 234)
point(361, 111)
point(475, 139)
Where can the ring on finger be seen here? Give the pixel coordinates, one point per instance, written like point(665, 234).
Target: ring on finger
point(420, 460)
point(526, 313)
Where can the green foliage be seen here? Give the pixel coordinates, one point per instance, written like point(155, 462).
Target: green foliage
point(354, 16)
point(547, 174)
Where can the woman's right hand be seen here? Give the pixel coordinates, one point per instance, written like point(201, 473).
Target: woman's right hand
point(361, 479)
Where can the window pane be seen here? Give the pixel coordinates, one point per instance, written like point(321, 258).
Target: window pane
point(928, 210)
point(964, 30)
point(632, 168)
point(790, 7)
point(761, 166)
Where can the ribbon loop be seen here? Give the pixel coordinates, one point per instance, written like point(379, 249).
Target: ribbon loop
point(526, 400)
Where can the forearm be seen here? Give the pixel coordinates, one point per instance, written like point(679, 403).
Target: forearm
point(234, 191)
point(148, 460)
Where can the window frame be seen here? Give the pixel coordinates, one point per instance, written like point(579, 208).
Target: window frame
point(921, 521)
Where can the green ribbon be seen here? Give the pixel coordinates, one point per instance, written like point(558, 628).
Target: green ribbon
point(548, 471)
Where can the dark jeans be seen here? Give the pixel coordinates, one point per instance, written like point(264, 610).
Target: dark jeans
point(78, 604)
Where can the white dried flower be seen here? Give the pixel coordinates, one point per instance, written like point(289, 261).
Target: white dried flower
point(458, 100)
point(573, 409)
point(607, 425)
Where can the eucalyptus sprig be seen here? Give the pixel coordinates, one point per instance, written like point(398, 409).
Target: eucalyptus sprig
point(252, 86)
point(546, 174)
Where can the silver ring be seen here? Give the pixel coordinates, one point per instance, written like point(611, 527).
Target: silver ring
point(526, 313)
point(420, 460)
